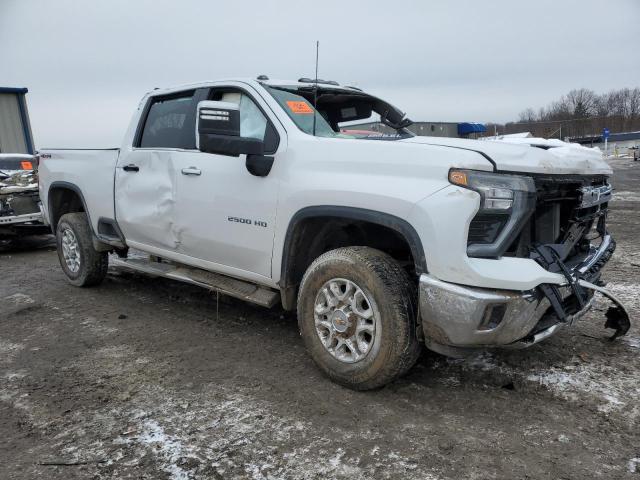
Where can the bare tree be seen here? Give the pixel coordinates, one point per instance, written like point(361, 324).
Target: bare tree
point(581, 103)
point(560, 110)
point(582, 112)
point(528, 115)
point(634, 103)
point(602, 107)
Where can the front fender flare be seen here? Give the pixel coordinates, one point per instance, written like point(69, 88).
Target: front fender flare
point(400, 225)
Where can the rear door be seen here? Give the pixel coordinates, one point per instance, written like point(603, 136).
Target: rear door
point(146, 176)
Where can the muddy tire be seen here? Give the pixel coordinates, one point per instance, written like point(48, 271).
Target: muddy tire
point(81, 263)
point(357, 317)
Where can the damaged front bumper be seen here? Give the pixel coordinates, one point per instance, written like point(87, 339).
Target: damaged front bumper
point(14, 226)
point(456, 317)
point(17, 219)
point(20, 207)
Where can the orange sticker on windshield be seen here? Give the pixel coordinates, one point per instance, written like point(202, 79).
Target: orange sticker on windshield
point(26, 165)
point(299, 107)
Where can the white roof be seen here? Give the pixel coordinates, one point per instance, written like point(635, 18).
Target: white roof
point(251, 81)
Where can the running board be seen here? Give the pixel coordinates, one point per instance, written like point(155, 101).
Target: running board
point(233, 287)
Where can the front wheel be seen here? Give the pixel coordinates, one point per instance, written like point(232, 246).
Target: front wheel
point(357, 316)
point(81, 263)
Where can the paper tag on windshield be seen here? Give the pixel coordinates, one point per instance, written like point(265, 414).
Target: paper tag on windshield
point(26, 165)
point(299, 107)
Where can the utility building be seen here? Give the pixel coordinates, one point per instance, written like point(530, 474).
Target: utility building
point(15, 129)
point(430, 129)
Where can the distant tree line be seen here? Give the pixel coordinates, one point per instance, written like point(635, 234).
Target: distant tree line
point(579, 113)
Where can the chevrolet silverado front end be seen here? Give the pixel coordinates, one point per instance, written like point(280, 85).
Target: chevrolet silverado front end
point(556, 222)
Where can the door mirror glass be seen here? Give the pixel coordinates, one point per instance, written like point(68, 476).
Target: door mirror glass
point(218, 130)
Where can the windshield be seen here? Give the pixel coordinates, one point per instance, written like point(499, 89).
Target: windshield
point(303, 113)
point(340, 113)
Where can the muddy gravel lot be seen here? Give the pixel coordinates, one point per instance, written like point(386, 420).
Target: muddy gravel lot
point(146, 378)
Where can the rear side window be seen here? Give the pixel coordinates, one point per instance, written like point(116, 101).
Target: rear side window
point(170, 123)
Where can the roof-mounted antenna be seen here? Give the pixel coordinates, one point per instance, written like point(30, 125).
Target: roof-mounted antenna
point(315, 89)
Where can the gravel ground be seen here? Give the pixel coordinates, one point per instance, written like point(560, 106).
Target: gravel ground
point(145, 378)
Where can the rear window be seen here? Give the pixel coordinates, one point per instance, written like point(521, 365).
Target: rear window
point(170, 123)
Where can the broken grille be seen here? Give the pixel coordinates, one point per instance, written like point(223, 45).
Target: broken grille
point(569, 215)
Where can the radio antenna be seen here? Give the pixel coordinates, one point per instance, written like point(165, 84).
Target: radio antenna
point(315, 90)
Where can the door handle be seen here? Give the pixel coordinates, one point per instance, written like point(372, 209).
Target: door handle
point(131, 168)
point(191, 171)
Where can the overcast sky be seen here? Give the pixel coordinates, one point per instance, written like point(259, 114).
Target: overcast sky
point(87, 63)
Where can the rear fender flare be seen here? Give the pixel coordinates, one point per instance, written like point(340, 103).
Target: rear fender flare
point(67, 186)
point(100, 241)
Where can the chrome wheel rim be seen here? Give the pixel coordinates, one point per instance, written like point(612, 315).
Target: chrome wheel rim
point(346, 320)
point(70, 250)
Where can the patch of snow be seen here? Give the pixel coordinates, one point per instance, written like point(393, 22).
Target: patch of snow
point(240, 437)
point(95, 326)
point(555, 146)
point(14, 375)
point(628, 293)
point(168, 448)
point(483, 361)
point(632, 465)
point(612, 388)
point(610, 385)
point(9, 350)
point(633, 342)
point(113, 351)
point(625, 196)
point(19, 299)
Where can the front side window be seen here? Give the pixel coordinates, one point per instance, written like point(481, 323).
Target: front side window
point(253, 123)
point(170, 123)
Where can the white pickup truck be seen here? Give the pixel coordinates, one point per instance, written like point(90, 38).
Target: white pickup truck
point(381, 242)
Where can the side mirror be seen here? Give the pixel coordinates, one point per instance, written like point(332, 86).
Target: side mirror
point(218, 130)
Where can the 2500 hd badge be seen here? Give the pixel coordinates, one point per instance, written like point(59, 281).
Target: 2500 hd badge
point(248, 221)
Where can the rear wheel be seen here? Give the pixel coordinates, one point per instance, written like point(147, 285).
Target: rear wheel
point(81, 263)
point(357, 316)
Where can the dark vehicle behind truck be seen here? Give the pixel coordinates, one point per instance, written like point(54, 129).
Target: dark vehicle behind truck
point(20, 213)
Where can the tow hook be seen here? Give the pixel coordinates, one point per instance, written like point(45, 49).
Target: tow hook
point(617, 316)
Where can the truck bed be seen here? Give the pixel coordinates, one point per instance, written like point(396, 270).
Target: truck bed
point(91, 171)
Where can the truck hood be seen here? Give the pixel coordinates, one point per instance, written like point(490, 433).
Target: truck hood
point(530, 156)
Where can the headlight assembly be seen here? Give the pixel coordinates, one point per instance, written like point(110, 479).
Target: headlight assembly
point(506, 202)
